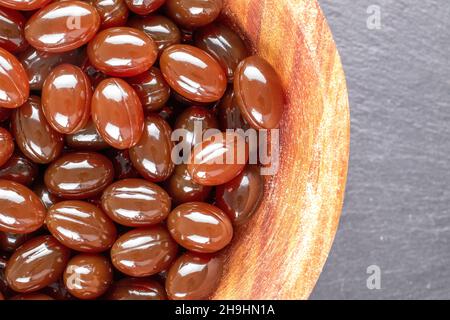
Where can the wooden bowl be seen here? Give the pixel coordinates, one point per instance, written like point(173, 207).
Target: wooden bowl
point(280, 253)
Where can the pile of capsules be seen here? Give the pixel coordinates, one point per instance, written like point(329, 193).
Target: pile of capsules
point(92, 204)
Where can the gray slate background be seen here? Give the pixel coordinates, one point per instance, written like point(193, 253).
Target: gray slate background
point(396, 213)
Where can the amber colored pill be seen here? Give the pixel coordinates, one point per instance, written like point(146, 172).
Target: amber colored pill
point(47, 198)
point(24, 5)
point(228, 113)
point(193, 13)
point(136, 289)
point(34, 136)
point(32, 296)
point(144, 251)
point(79, 175)
point(62, 26)
point(195, 121)
point(152, 155)
point(6, 146)
point(259, 93)
point(86, 138)
point(200, 227)
point(66, 98)
point(113, 13)
point(39, 64)
point(117, 113)
point(14, 87)
point(81, 226)
point(9, 242)
point(218, 159)
point(88, 276)
point(161, 29)
point(11, 25)
point(19, 169)
point(122, 52)
point(194, 276)
point(152, 89)
point(223, 44)
point(193, 73)
point(123, 168)
point(182, 189)
point(241, 197)
point(21, 211)
point(144, 7)
point(36, 264)
point(136, 202)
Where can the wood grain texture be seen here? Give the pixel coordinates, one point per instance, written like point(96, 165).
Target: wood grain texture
point(281, 252)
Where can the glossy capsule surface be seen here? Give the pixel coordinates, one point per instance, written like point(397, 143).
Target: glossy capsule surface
point(136, 289)
point(136, 202)
point(193, 73)
point(34, 136)
point(162, 30)
point(144, 7)
point(36, 264)
point(66, 98)
point(117, 113)
point(144, 251)
point(21, 211)
point(87, 138)
point(14, 87)
point(24, 5)
point(151, 156)
point(193, 13)
point(194, 276)
point(62, 26)
point(19, 169)
point(113, 13)
point(79, 175)
point(218, 159)
point(223, 44)
point(241, 197)
point(200, 227)
point(81, 226)
point(48, 199)
point(259, 93)
point(88, 276)
point(6, 146)
point(122, 52)
point(11, 35)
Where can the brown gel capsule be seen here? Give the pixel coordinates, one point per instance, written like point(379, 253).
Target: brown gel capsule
point(144, 251)
point(79, 175)
point(36, 264)
point(152, 89)
point(81, 226)
point(136, 202)
point(162, 30)
point(117, 113)
point(34, 136)
point(113, 13)
point(241, 197)
point(6, 146)
point(25, 5)
point(21, 211)
point(200, 227)
point(14, 86)
point(259, 93)
point(152, 155)
point(228, 113)
point(9, 242)
point(193, 13)
point(47, 198)
point(136, 289)
point(223, 44)
point(193, 73)
point(11, 25)
point(123, 168)
point(194, 276)
point(182, 188)
point(86, 138)
point(218, 159)
point(19, 169)
point(88, 276)
point(144, 7)
point(66, 98)
point(62, 26)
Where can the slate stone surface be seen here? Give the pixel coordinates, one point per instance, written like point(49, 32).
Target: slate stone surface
point(397, 207)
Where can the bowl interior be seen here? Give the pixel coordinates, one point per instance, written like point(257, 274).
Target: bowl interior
point(280, 253)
